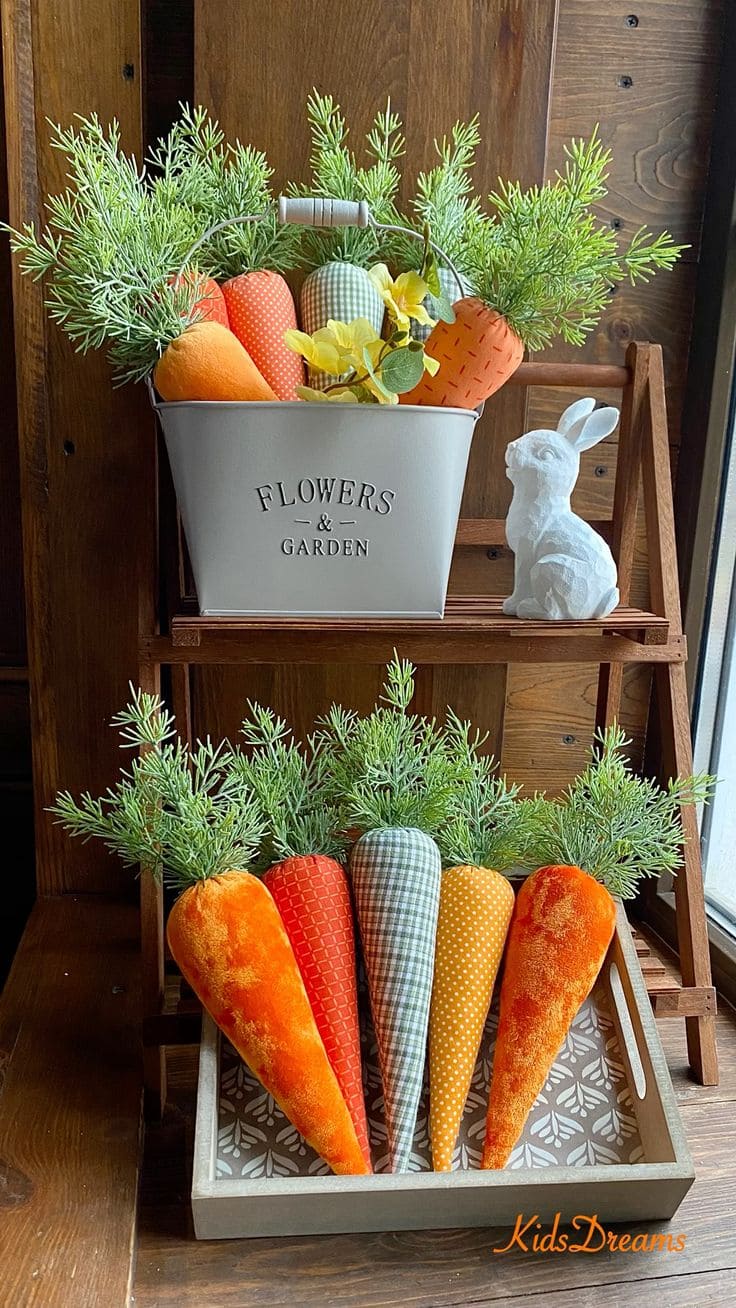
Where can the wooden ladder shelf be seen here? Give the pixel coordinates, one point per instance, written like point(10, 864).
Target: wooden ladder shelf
point(476, 631)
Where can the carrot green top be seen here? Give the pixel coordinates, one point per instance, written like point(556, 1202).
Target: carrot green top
point(291, 785)
point(487, 824)
point(614, 825)
point(336, 174)
point(196, 169)
point(391, 768)
point(185, 815)
point(545, 262)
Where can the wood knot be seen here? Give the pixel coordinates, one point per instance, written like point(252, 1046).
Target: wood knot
point(15, 1187)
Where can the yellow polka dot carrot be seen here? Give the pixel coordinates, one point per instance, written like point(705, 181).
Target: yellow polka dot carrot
point(486, 830)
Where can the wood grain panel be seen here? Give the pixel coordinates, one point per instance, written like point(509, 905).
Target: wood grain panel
point(492, 58)
point(86, 450)
point(70, 1119)
point(12, 616)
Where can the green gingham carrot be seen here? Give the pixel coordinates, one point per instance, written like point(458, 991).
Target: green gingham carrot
point(395, 775)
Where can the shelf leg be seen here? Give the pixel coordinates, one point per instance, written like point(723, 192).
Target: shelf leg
point(692, 925)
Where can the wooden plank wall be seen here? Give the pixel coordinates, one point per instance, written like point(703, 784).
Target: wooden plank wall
point(647, 72)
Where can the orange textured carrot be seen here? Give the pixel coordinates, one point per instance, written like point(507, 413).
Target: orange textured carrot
point(476, 904)
point(618, 828)
point(261, 308)
point(207, 362)
point(228, 938)
point(560, 932)
point(312, 895)
point(477, 353)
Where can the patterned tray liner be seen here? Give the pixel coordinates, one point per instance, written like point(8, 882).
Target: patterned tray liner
point(584, 1115)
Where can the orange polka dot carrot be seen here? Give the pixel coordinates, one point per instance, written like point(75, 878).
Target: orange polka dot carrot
point(486, 827)
point(617, 828)
point(261, 308)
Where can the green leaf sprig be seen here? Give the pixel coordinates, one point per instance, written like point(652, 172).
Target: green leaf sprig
point(184, 815)
point(487, 824)
point(291, 785)
point(546, 263)
point(615, 825)
point(443, 201)
point(336, 173)
point(109, 250)
point(391, 768)
point(197, 169)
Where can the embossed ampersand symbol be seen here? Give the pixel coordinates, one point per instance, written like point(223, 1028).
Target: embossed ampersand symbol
point(325, 522)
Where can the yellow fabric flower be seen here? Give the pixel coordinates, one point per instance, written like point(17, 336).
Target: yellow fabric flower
point(341, 396)
point(336, 348)
point(403, 297)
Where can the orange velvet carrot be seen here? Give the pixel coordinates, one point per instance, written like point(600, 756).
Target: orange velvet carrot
point(207, 362)
point(477, 353)
point(188, 817)
point(617, 828)
point(227, 936)
point(562, 927)
point(261, 308)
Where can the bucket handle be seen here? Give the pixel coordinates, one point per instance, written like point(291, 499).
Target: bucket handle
point(316, 211)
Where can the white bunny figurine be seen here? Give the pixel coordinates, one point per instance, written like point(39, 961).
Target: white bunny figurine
point(562, 567)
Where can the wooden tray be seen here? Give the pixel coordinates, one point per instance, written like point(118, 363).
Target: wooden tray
point(604, 1137)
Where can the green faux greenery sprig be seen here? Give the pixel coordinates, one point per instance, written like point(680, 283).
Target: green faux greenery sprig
point(487, 824)
point(109, 250)
point(292, 788)
point(443, 201)
point(185, 815)
point(391, 768)
point(336, 174)
point(196, 168)
point(546, 263)
point(615, 825)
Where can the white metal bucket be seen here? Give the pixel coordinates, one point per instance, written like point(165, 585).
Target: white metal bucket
point(319, 509)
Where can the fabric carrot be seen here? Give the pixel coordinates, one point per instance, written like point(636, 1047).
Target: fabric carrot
point(477, 353)
point(311, 891)
point(190, 819)
point(395, 775)
point(261, 308)
point(487, 829)
point(207, 362)
point(338, 287)
point(209, 306)
point(610, 828)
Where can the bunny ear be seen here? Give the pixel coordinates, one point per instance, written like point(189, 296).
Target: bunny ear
point(590, 430)
point(573, 412)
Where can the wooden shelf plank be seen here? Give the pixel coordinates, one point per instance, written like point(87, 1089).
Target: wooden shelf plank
point(474, 630)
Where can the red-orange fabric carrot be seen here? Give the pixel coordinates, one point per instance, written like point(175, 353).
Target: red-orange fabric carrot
point(311, 890)
point(477, 353)
point(261, 308)
point(192, 820)
point(617, 828)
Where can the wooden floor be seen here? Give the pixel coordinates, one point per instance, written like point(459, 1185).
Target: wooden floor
point(443, 1268)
